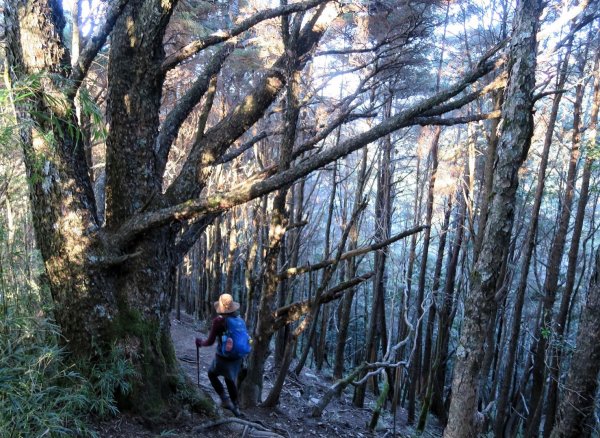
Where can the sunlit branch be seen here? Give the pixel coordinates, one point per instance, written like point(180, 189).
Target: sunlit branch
point(191, 209)
point(498, 83)
point(291, 272)
point(343, 117)
point(589, 16)
point(543, 94)
point(218, 37)
point(209, 148)
point(336, 390)
point(451, 121)
point(209, 100)
point(190, 235)
point(374, 48)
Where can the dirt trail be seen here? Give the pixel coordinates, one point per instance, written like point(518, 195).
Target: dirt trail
point(184, 333)
point(292, 417)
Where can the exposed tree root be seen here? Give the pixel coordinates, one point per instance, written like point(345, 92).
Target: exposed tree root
point(261, 431)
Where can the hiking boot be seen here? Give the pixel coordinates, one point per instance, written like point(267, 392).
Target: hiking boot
point(226, 403)
point(235, 409)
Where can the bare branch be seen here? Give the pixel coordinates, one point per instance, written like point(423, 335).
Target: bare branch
point(378, 368)
point(191, 232)
point(336, 390)
point(543, 94)
point(94, 45)
point(226, 158)
point(291, 272)
point(221, 421)
point(188, 210)
point(209, 100)
point(106, 262)
point(499, 82)
point(218, 37)
point(293, 312)
point(215, 142)
point(440, 121)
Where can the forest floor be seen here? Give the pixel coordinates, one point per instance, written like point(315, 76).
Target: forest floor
point(291, 418)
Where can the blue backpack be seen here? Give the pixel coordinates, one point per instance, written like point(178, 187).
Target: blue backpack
point(235, 342)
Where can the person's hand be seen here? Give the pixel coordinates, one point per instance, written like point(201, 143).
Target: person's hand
point(198, 342)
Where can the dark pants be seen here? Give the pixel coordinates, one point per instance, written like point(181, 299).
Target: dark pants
point(229, 369)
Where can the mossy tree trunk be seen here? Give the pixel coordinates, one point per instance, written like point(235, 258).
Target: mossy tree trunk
point(111, 280)
point(102, 297)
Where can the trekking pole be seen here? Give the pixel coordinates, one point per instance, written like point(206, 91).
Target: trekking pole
point(198, 364)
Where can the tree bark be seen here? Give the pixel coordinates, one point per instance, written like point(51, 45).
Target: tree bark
point(546, 330)
point(561, 316)
point(514, 143)
point(346, 305)
point(527, 253)
point(415, 369)
point(577, 407)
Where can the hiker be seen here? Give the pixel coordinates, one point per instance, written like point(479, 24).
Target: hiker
point(233, 343)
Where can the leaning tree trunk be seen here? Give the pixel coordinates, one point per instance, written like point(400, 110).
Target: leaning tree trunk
point(428, 367)
point(550, 289)
point(515, 139)
point(576, 412)
point(252, 385)
point(403, 328)
point(527, 253)
point(311, 339)
point(448, 309)
point(561, 317)
point(376, 331)
point(350, 270)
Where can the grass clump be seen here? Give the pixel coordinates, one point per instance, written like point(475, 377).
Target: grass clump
point(41, 394)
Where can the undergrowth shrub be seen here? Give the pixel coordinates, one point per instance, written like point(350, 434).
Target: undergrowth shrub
point(41, 394)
